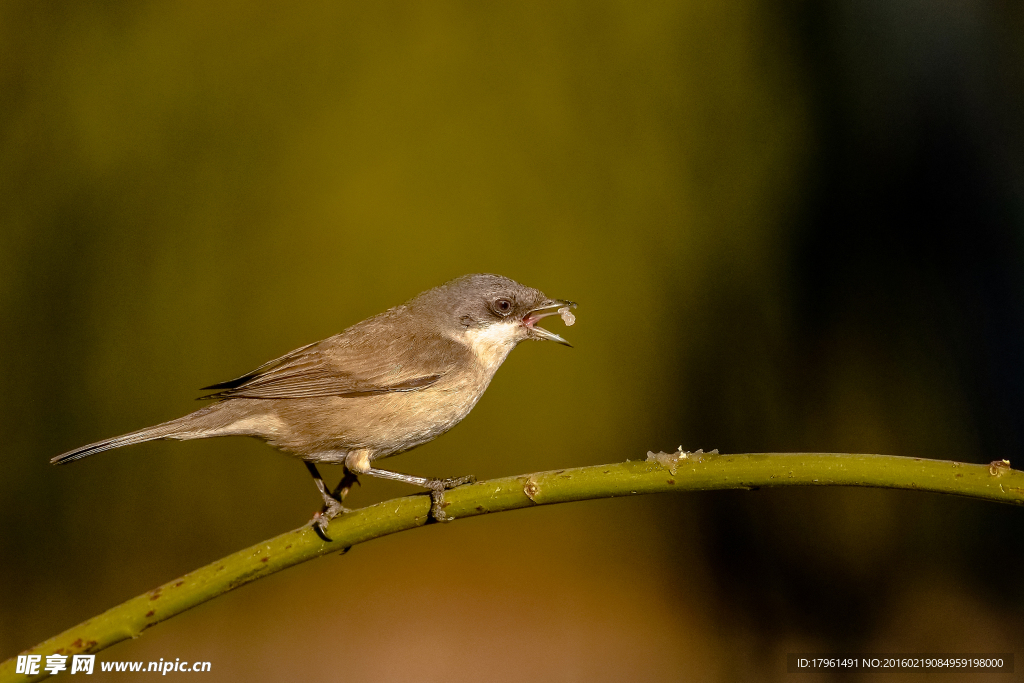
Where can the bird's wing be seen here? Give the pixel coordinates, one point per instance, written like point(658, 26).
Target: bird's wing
point(348, 365)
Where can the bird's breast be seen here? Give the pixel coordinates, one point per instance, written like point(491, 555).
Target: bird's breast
point(393, 422)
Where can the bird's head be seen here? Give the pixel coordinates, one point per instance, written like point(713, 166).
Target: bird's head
point(493, 310)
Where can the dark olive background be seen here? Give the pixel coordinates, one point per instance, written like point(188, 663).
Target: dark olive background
point(790, 226)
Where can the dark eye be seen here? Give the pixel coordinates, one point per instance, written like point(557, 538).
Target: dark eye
point(502, 306)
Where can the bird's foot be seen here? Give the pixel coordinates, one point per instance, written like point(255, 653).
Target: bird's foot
point(332, 508)
point(437, 488)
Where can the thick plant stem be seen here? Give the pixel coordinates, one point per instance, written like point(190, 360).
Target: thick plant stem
point(659, 474)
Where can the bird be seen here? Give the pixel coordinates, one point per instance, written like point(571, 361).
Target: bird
point(381, 387)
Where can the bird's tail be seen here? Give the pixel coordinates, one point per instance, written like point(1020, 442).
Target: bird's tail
point(188, 427)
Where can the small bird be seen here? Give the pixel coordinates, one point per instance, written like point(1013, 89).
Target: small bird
point(383, 386)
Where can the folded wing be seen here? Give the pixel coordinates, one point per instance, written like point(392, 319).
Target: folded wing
point(348, 365)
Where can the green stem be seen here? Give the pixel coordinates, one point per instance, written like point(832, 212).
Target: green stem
point(659, 474)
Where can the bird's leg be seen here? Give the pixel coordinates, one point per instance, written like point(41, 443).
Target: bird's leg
point(332, 504)
point(344, 486)
point(358, 462)
point(437, 488)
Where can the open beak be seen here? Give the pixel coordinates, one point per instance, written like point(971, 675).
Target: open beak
point(549, 307)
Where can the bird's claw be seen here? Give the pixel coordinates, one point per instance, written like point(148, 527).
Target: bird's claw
point(321, 519)
point(437, 488)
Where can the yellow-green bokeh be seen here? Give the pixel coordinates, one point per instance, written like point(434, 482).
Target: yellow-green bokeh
point(190, 189)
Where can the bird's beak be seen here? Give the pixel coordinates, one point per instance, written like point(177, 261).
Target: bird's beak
point(549, 307)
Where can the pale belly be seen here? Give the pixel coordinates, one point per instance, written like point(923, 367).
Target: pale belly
point(327, 428)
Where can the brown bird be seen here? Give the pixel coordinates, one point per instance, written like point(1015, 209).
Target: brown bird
point(383, 386)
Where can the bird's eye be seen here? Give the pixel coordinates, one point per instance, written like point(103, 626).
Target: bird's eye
point(502, 306)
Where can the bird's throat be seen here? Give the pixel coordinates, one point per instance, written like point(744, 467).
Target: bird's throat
point(492, 344)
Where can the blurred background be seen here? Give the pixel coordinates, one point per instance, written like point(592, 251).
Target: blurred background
point(790, 227)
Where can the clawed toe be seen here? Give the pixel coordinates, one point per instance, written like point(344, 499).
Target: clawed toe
point(323, 517)
point(437, 488)
point(458, 481)
point(448, 484)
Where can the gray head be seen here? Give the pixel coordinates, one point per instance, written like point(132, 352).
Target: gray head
point(492, 305)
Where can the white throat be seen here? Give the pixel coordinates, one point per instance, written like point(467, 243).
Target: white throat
point(491, 344)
